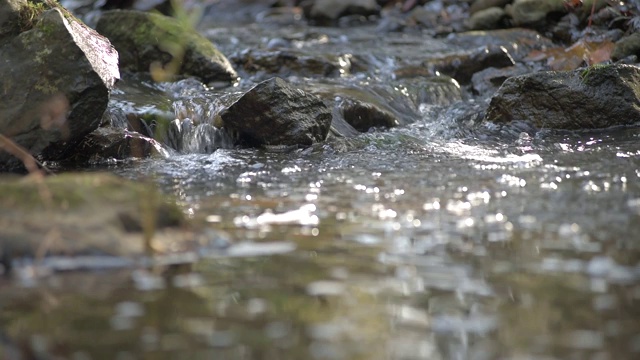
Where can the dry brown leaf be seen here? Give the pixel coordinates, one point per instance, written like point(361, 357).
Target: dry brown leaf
point(571, 58)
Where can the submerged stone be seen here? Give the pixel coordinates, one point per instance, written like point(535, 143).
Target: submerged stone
point(81, 214)
point(108, 143)
point(289, 62)
point(163, 46)
point(56, 79)
point(333, 9)
point(595, 97)
point(462, 66)
point(276, 113)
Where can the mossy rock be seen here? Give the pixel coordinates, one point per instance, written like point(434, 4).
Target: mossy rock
point(82, 213)
point(163, 46)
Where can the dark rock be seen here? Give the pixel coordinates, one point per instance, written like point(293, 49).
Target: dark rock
point(385, 105)
point(275, 113)
point(289, 62)
point(479, 5)
point(462, 66)
point(487, 81)
point(107, 143)
point(340, 127)
point(163, 46)
point(533, 12)
point(420, 15)
point(487, 19)
point(56, 80)
point(364, 116)
point(596, 97)
point(363, 108)
point(333, 9)
point(518, 42)
point(234, 12)
point(627, 46)
point(11, 18)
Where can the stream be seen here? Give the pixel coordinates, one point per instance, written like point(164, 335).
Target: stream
point(442, 238)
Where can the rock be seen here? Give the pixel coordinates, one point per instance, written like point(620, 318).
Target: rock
point(234, 12)
point(385, 104)
point(276, 113)
point(364, 116)
point(108, 143)
point(333, 9)
point(363, 108)
point(289, 62)
point(82, 214)
point(11, 15)
point(462, 66)
point(596, 97)
point(533, 12)
point(479, 5)
point(487, 19)
point(627, 46)
point(163, 46)
point(518, 42)
point(490, 79)
point(56, 79)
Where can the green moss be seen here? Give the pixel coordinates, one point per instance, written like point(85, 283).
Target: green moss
point(30, 13)
point(586, 73)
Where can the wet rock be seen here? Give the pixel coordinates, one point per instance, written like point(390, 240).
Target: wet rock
point(234, 11)
point(479, 5)
point(82, 214)
point(489, 80)
point(432, 90)
point(533, 12)
point(627, 46)
point(163, 46)
point(289, 62)
point(108, 143)
point(163, 6)
point(56, 79)
point(487, 19)
point(518, 42)
point(333, 9)
point(424, 17)
point(11, 15)
point(386, 105)
point(364, 108)
point(276, 113)
point(596, 97)
point(364, 116)
point(462, 66)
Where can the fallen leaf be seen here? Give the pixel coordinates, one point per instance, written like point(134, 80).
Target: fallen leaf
point(571, 58)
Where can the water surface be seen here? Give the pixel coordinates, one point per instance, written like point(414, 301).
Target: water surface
point(444, 238)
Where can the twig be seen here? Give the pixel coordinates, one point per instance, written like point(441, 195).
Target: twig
point(30, 163)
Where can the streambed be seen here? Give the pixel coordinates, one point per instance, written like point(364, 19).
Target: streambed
point(443, 238)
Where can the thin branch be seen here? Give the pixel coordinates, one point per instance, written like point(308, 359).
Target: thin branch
point(30, 163)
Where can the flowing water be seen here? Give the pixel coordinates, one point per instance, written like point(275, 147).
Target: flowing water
point(444, 238)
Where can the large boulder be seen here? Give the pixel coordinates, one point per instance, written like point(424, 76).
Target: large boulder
point(596, 97)
point(55, 80)
point(276, 113)
point(163, 46)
